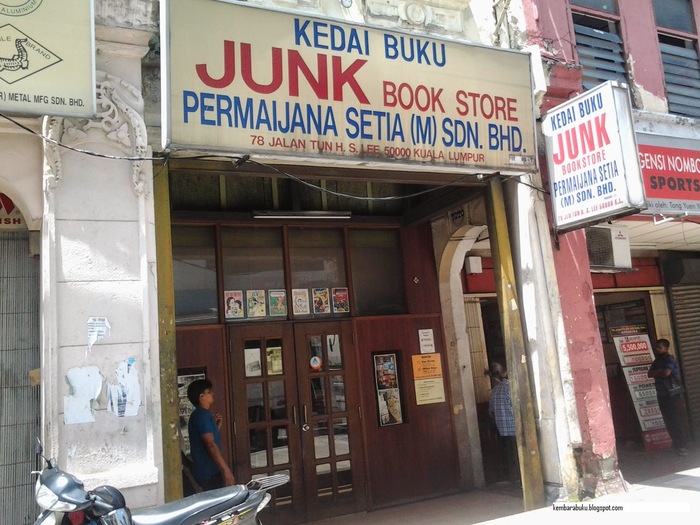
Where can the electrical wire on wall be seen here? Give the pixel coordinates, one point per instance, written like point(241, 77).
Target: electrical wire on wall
point(240, 160)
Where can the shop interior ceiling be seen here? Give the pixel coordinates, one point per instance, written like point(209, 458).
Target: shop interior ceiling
point(401, 196)
point(409, 197)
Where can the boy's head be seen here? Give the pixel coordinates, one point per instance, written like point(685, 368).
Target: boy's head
point(195, 390)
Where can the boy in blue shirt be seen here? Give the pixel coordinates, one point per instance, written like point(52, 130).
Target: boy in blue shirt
point(208, 466)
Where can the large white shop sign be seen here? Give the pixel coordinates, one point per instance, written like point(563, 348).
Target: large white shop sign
point(592, 158)
point(250, 80)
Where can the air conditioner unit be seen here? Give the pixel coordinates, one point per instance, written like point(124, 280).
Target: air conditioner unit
point(608, 247)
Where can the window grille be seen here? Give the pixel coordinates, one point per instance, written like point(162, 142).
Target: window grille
point(682, 76)
point(600, 52)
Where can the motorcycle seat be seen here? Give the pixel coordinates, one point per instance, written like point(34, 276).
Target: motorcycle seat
point(192, 509)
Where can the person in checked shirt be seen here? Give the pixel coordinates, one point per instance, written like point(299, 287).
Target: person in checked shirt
point(501, 410)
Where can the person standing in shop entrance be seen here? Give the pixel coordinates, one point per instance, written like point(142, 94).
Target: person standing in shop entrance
point(666, 374)
point(209, 468)
point(501, 410)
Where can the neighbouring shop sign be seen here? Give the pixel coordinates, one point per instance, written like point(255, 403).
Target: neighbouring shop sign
point(10, 216)
point(592, 158)
point(671, 173)
point(47, 64)
point(250, 80)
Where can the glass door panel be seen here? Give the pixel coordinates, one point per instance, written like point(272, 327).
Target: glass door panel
point(330, 409)
point(265, 403)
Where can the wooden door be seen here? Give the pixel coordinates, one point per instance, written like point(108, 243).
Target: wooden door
point(331, 434)
point(296, 411)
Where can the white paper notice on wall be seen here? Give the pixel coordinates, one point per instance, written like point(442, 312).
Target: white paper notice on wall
point(98, 329)
point(85, 385)
point(426, 340)
point(124, 397)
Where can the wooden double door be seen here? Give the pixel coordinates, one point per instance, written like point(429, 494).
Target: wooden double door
point(296, 408)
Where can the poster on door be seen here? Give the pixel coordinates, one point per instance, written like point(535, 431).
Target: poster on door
point(636, 355)
point(184, 377)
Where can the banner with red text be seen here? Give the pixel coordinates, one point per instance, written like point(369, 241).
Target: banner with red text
point(592, 158)
point(636, 355)
point(251, 80)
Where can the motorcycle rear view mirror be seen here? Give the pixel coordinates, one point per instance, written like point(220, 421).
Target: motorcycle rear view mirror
point(39, 451)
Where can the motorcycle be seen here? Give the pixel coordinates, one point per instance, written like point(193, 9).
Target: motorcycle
point(66, 502)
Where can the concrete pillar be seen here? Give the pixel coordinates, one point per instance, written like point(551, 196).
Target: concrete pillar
point(547, 349)
point(102, 388)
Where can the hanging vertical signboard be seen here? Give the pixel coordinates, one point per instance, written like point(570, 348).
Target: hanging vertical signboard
point(592, 158)
point(635, 352)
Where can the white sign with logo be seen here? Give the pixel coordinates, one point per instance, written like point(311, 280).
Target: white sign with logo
point(592, 158)
point(10, 216)
point(325, 89)
point(47, 64)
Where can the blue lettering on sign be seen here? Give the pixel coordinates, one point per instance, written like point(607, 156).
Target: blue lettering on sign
point(460, 133)
point(211, 109)
point(591, 105)
point(423, 130)
point(368, 124)
point(410, 49)
point(505, 138)
point(322, 35)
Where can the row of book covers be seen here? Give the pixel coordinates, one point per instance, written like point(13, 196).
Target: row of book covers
point(250, 304)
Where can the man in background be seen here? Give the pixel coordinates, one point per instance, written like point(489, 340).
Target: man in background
point(666, 374)
point(501, 410)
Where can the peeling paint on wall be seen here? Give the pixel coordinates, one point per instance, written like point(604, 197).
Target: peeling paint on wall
point(85, 386)
point(125, 395)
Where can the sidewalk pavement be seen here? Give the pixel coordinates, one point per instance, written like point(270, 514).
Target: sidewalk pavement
point(661, 487)
point(674, 498)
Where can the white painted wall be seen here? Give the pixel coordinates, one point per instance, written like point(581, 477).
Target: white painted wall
point(98, 261)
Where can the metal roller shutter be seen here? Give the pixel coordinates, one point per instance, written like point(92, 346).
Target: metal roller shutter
point(686, 314)
point(19, 400)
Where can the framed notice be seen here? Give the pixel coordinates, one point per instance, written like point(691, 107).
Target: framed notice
point(300, 301)
point(388, 390)
point(428, 380)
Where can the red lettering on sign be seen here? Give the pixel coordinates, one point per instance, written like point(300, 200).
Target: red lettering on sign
point(6, 203)
point(581, 140)
point(317, 78)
